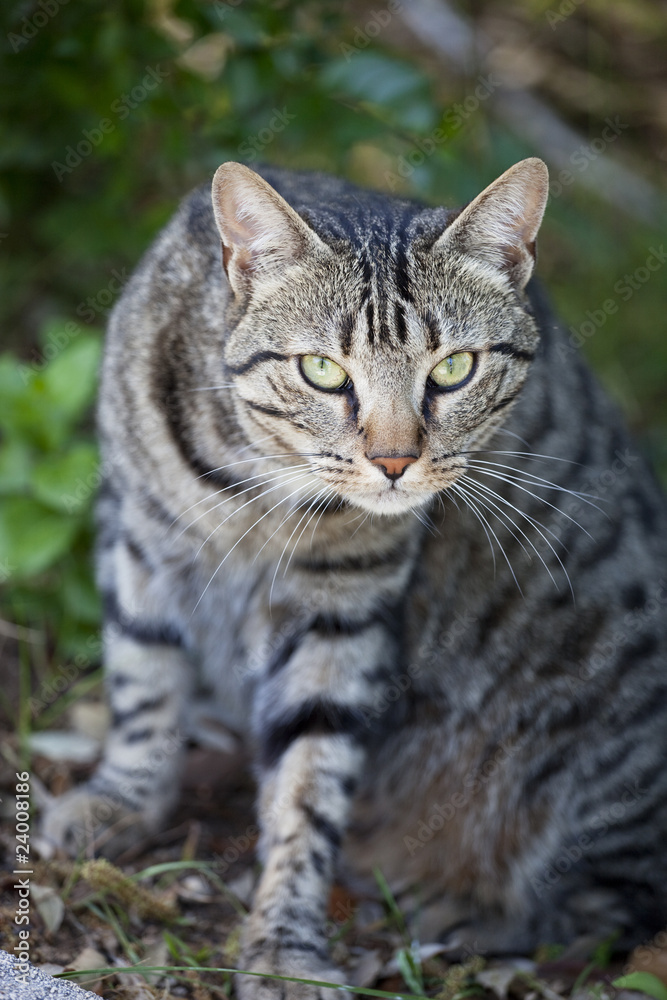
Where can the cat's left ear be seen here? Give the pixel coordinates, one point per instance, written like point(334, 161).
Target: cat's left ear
point(500, 226)
point(260, 232)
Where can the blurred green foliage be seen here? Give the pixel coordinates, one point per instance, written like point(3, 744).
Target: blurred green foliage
point(49, 470)
point(110, 112)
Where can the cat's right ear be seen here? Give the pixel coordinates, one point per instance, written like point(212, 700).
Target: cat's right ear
point(261, 234)
point(499, 228)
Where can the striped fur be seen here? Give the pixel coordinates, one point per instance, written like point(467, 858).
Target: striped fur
point(457, 675)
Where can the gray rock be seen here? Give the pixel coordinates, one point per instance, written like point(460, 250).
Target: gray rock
point(15, 985)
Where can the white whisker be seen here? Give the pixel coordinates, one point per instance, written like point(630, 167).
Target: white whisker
point(455, 488)
point(466, 496)
point(208, 388)
point(536, 524)
point(535, 496)
point(503, 430)
point(520, 454)
point(232, 486)
point(322, 512)
point(504, 517)
point(535, 480)
point(312, 499)
point(285, 480)
point(273, 477)
point(239, 540)
point(368, 514)
point(284, 521)
point(259, 458)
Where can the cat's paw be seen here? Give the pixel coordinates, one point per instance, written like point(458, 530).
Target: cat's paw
point(83, 821)
point(261, 957)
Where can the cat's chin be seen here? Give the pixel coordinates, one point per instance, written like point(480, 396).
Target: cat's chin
point(389, 502)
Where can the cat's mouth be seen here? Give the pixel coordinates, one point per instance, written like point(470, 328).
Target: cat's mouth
point(401, 496)
point(394, 498)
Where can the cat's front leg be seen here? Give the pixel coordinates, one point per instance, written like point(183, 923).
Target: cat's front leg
point(148, 675)
point(312, 730)
point(304, 810)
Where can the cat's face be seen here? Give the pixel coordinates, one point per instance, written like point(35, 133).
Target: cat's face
point(382, 369)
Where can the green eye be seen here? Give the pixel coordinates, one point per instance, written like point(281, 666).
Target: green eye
point(323, 372)
point(453, 370)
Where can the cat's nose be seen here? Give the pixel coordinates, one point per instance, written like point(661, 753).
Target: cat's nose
point(394, 468)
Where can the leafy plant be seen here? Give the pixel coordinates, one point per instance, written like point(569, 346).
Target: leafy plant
point(49, 472)
point(643, 982)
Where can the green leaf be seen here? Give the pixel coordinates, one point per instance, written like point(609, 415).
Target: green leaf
point(68, 482)
point(79, 596)
point(410, 969)
point(15, 460)
point(32, 537)
point(71, 377)
point(643, 982)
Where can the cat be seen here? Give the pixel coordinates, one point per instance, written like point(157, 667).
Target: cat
point(361, 493)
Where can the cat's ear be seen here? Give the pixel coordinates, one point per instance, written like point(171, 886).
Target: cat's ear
point(260, 232)
point(500, 226)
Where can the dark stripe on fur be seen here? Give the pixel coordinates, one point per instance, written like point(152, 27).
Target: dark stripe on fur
point(331, 626)
point(370, 319)
point(305, 946)
point(506, 401)
point(256, 359)
point(270, 411)
point(323, 826)
point(384, 334)
point(284, 654)
point(402, 274)
point(139, 735)
point(432, 332)
point(319, 862)
point(168, 394)
point(513, 352)
point(346, 328)
point(147, 705)
point(352, 564)
point(367, 271)
point(144, 633)
point(313, 718)
point(399, 319)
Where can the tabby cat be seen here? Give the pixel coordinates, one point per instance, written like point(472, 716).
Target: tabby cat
point(363, 495)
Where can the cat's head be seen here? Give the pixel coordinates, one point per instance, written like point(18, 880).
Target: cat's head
point(382, 359)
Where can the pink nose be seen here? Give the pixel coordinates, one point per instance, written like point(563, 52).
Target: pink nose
point(394, 467)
